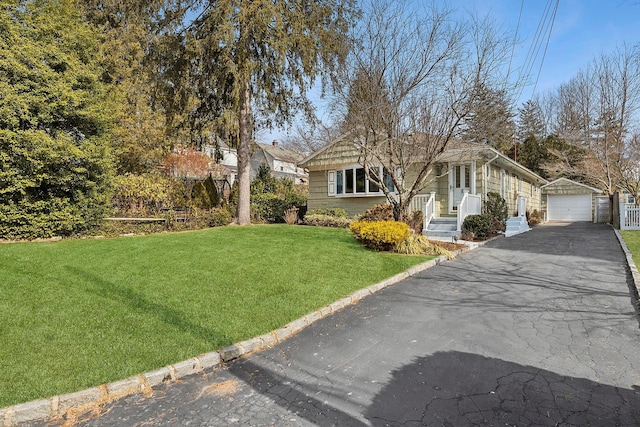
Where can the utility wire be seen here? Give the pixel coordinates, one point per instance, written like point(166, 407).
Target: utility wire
point(555, 11)
point(513, 45)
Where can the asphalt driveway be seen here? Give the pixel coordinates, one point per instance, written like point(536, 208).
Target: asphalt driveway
point(535, 329)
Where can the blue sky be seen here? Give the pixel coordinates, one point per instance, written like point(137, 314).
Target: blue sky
point(582, 30)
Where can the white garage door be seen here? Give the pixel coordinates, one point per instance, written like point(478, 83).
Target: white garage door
point(572, 207)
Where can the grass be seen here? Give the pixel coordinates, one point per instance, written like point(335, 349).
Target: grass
point(632, 239)
point(79, 313)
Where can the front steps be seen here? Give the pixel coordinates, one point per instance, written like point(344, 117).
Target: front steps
point(442, 228)
point(516, 225)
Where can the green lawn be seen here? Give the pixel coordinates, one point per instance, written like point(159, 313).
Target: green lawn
point(632, 239)
point(79, 313)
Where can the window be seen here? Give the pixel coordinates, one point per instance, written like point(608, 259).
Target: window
point(353, 181)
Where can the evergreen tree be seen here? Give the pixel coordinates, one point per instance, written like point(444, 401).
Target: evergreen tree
point(264, 54)
point(54, 118)
point(530, 122)
point(135, 35)
point(490, 120)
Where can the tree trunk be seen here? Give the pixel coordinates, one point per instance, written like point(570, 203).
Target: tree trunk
point(243, 214)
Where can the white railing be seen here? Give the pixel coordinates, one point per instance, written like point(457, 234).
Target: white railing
point(629, 217)
point(522, 206)
point(471, 204)
point(417, 203)
point(429, 211)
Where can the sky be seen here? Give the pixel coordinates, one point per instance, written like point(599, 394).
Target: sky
point(582, 30)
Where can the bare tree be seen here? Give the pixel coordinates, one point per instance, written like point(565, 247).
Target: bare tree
point(596, 111)
point(305, 139)
point(408, 87)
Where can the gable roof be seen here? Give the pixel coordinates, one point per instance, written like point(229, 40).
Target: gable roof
point(571, 182)
point(277, 152)
point(340, 152)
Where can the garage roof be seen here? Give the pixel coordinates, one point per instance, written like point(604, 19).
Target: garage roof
point(567, 181)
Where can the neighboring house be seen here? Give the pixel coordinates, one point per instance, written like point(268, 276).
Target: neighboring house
point(282, 162)
point(336, 180)
point(227, 159)
point(567, 200)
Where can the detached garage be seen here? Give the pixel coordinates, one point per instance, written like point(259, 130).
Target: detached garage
point(569, 201)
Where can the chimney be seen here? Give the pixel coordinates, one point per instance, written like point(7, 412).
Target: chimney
point(274, 143)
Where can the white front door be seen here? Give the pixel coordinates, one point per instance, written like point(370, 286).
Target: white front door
point(461, 180)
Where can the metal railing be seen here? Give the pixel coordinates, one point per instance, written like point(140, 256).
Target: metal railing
point(471, 204)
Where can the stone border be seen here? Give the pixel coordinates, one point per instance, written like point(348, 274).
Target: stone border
point(635, 274)
point(64, 406)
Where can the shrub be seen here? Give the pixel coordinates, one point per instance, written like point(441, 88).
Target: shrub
point(220, 217)
point(336, 212)
point(535, 217)
point(478, 226)
point(319, 220)
point(146, 194)
point(291, 216)
point(416, 221)
point(380, 235)
point(200, 197)
point(415, 244)
point(496, 207)
point(382, 212)
point(272, 197)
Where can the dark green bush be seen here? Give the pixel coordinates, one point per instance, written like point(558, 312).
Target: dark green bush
point(478, 227)
point(272, 197)
point(496, 207)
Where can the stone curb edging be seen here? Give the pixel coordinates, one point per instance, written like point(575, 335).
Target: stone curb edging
point(85, 400)
point(635, 274)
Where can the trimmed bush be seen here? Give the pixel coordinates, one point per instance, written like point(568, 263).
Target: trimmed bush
point(380, 235)
point(327, 221)
point(478, 227)
point(336, 212)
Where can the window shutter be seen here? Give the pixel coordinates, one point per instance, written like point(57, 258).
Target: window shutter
point(331, 187)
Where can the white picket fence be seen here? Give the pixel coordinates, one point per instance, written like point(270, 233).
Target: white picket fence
point(629, 217)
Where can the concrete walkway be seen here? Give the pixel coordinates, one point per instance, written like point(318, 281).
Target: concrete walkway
point(535, 329)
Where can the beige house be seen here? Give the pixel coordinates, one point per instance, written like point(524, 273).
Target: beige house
point(459, 181)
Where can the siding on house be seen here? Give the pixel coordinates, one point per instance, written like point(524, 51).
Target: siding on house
point(319, 198)
point(520, 186)
point(342, 154)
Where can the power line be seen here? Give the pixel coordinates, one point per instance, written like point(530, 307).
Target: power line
point(555, 11)
point(543, 31)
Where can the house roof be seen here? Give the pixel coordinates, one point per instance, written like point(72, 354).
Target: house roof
point(571, 182)
point(458, 151)
point(280, 153)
